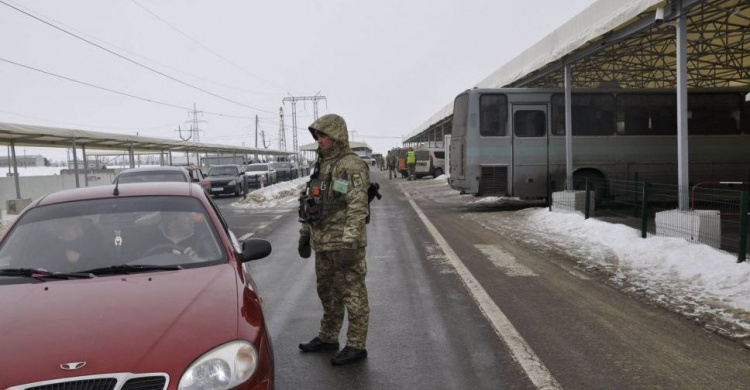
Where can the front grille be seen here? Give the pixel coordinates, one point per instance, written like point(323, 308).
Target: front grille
point(145, 383)
point(121, 381)
point(494, 181)
point(88, 384)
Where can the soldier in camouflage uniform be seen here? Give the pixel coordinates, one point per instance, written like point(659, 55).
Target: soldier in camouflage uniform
point(338, 235)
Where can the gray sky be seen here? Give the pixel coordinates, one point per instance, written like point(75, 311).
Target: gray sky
point(385, 66)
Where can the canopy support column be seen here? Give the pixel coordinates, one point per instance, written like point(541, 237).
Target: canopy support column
point(85, 166)
point(682, 102)
point(15, 169)
point(568, 129)
point(131, 153)
point(75, 163)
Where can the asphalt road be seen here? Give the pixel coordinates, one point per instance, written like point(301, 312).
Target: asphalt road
point(558, 326)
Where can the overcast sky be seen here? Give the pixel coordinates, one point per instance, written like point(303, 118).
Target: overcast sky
point(385, 66)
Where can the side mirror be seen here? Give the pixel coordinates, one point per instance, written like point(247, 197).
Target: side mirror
point(254, 249)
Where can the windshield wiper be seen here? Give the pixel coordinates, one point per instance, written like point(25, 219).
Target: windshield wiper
point(127, 268)
point(40, 273)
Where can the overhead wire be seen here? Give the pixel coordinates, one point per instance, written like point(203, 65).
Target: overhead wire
point(119, 92)
point(144, 58)
point(204, 46)
point(131, 60)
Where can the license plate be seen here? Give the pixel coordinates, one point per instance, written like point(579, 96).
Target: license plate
point(216, 189)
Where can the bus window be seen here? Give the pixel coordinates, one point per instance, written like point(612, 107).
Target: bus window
point(647, 114)
point(593, 114)
point(493, 111)
point(460, 115)
point(529, 123)
point(746, 114)
point(710, 113)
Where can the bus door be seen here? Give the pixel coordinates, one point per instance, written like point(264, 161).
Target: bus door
point(530, 145)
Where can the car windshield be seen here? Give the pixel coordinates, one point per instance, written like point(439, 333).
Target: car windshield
point(93, 234)
point(256, 168)
point(223, 171)
point(151, 176)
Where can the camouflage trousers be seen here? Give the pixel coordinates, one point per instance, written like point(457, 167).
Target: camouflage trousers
point(341, 285)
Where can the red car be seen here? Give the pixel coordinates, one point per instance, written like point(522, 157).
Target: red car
point(130, 286)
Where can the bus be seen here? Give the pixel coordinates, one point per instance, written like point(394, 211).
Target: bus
point(511, 142)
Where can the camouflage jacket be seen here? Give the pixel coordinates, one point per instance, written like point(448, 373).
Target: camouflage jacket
point(343, 223)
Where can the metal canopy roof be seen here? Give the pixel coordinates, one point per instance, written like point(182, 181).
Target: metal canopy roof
point(40, 136)
point(630, 44)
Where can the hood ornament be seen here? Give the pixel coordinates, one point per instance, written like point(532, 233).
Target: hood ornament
point(72, 366)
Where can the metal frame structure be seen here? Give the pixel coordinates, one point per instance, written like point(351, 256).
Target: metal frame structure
point(27, 135)
point(668, 44)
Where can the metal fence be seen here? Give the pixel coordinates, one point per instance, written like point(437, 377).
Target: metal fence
point(716, 213)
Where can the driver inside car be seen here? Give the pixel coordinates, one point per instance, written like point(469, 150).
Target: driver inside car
point(180, 233)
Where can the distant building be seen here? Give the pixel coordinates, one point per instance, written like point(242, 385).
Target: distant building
point(25, 161)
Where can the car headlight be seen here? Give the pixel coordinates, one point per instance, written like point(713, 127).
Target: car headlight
point(231, 183)
point(223, 367)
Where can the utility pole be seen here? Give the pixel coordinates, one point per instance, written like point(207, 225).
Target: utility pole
point(294, 100)
point(256, 138)
point(282, 131)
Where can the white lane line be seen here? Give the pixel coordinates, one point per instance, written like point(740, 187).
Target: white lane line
point(245, 237)
point(521, 351)
point(505, 261)
point(277, 217)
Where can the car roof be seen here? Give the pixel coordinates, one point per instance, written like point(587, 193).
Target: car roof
point(125, 190)
point(151, 168)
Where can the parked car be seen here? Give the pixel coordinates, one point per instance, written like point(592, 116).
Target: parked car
point(153, 173)
point(197, 176)
point(83, 270)
point(226, 179)
point(260, 175)
point(430, 162)
point(284, 170)
point(369, 160)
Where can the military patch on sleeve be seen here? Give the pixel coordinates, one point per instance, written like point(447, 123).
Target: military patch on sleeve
point(357, 180)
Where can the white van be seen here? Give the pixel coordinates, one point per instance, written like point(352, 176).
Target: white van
point(430, 162)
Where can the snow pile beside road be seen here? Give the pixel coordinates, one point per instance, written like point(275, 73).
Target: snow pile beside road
point(284, 194)
point(694, 280)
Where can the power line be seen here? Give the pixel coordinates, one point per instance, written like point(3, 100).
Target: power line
point(132, 61)
point(147, 59)
point(204, 46)
point(116, 92)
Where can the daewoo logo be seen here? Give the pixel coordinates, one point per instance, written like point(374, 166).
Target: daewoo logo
point(72, 366)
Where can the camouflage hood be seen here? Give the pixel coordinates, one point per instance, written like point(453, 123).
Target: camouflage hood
point(332, 125)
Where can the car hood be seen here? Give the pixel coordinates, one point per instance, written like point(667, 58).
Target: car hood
point(256, 173)
point(222, 178)
point(150, 322)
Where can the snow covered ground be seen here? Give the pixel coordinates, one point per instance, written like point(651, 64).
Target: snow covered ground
point(697, 281)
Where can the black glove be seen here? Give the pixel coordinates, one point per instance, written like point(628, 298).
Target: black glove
point(304, 246)
point(373, 191)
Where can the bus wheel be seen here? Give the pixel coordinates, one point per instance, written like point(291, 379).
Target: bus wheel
point(597, 183)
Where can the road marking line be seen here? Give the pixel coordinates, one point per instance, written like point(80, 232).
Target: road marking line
point(245, 237)
point(521, 351)
point(505, 261)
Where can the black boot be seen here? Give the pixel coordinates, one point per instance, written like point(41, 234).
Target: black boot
point(348, 355)
point(316, 345)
